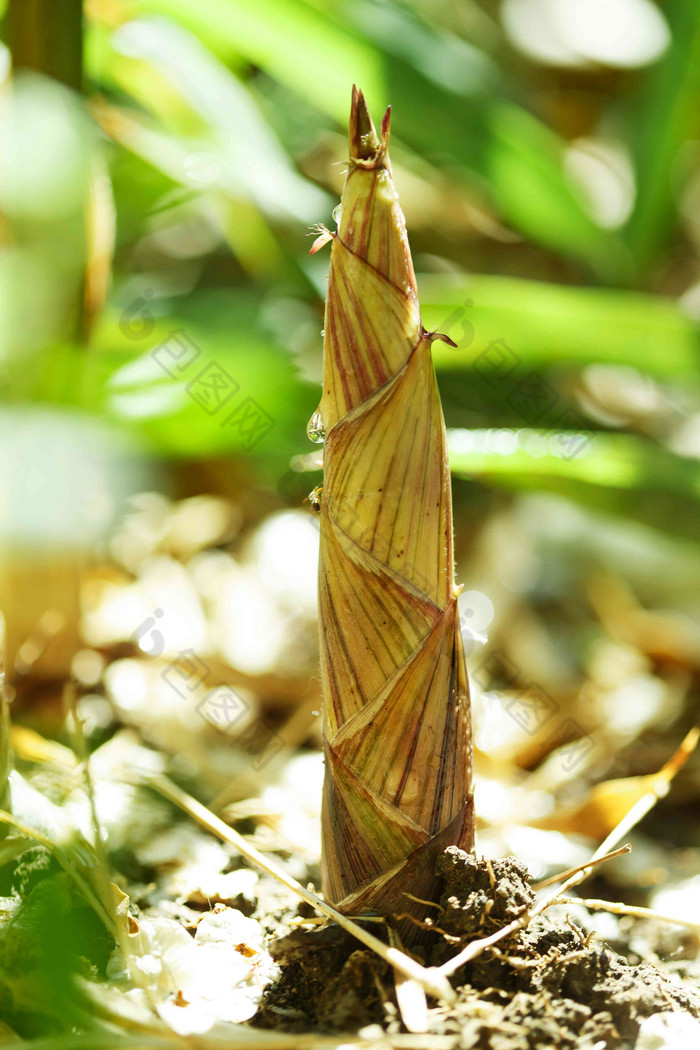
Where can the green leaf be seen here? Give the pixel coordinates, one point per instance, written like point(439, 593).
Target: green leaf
point(664, 118)
point(293, 41)
point(135, 381)
point(35, 816)
point(13, 847)
point(232, 148)
point(617, 474)
point(469, 124)
point(499, 147)
point(547, 324)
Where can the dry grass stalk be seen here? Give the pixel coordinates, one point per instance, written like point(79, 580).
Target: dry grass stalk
point(562, 875)
point(395, 695)
point(429, 978)
point(605, 852)
point(629, 909)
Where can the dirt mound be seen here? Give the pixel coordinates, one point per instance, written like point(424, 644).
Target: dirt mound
point(546, 985)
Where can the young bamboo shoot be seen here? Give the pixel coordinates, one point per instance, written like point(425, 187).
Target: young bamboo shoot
point(395, 696)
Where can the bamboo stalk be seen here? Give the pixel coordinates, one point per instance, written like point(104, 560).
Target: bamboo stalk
point(395, 696)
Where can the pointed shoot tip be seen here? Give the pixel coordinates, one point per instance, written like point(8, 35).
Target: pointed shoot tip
point(364, 142)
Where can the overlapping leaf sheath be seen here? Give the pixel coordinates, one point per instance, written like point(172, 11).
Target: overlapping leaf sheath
point(396, 711)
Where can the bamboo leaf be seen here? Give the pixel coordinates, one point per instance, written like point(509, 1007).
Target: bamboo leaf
point(547, 324)
point(617, 474)
point(490, 139)
point(664, 117)
point(229, 126)
point(456, 108)
point(293, 40)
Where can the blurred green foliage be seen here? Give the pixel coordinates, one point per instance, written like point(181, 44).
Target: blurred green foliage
point(551, 205)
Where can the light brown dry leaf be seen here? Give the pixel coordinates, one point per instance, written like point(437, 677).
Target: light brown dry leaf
point(606, 803)
point(32, 747)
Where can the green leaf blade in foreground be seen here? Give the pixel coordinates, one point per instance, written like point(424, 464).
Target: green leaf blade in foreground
point(294, 42)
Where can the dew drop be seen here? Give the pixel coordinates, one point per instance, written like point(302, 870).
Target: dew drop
point(337, 212)
point(315, 430)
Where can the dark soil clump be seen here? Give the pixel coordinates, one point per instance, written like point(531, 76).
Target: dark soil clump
point(481, 894)
point(328, 981)
point(547, 985)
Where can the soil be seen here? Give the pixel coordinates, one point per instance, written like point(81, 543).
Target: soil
point(547, 985)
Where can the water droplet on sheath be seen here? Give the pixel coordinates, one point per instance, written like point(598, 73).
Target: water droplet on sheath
point(337, 212)
point(315, 429)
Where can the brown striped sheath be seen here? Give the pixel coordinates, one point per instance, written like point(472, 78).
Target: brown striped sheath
point(395, 696)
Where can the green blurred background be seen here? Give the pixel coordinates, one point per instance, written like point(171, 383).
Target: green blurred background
point(163, 163)
point(547, 159)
